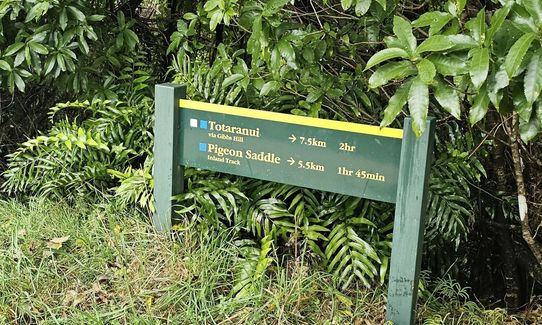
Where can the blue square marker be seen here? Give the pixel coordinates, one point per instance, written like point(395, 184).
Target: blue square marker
point(202, 124)
point(203, 147)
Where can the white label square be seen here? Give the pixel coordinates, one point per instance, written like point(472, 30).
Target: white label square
point(193, 123)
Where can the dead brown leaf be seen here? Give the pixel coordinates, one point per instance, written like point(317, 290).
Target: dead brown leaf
point(56, 243)
point(73, 298)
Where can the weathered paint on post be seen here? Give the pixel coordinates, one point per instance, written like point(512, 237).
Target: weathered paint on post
point(410, 209)
point(168, 172)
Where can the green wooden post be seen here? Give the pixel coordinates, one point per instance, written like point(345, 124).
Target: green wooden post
point(168, 173)
point(410, 209)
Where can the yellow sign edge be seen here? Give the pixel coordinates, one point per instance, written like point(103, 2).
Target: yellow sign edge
point(292, 119)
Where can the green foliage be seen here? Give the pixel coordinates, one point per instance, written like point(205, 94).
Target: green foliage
point(252, 267)
point(351, 237)
point(277, 56)
point(209, 201)
point(89, 155)
point(485, 64)
point(64, 44)
point(451, 210)
point(447, 302)
point(285, 61)
point(113, 268)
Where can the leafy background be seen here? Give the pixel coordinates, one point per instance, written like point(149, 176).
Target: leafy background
point(472, 64)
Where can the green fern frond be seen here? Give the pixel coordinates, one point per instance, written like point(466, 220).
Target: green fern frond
point(212, 200)
point(252, 265)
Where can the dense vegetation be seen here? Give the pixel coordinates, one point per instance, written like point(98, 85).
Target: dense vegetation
point(475, 65)
point(86, 264)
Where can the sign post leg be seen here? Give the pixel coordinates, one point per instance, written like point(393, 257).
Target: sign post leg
point(168, 173)
point(409, 223)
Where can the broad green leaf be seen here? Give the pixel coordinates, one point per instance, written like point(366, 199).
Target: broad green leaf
point(382, 3)
point(477, 26)
point(320, 48)
point(76, 13)
point(274, 62)
point(286, 50)
point(479, 66)
point(396, 103)
point(521, 21)
point(533, 77)
point(480, 107)
point(429, 18)
point(362, 6)
point(418, 105)
point(119, 40)
point(190, 16)
point(455, 7)
point(521, 105)
point(403, 30)
point(253, 43)
point(232, 79)
point(83, 45)
point(38, 48)
point(314, 95)
point(19, 59)
point(435, 19)
point(269, 87)
point(210, 5)
point(95, 18)
point(131, 38)
point(13, 48)
point(435, 43)
point(308, 54)
point(27, 55)
point(385, 55)
point(50, 64)
point(216, 18)
point(517, 52)
point(496, 22)
point(61, 62)
point(497, 82)
point(393, 42)
point(449, 65)
point(461, 42)
point(346, 4)
point(63, 19)
point(529, 130)
point(448, 98)
point(5, 66)
point(391, 71)
point(274, 5)
point(19, 82)
point(534, 7)
point(426, 71)
point(524, 110)
point(432, 18)
point(38, 10)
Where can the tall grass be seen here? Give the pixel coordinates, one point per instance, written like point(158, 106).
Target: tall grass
point(114, 269)
point(78, 263)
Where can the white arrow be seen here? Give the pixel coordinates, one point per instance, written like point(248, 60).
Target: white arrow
point(292, 138)
point(291, 161)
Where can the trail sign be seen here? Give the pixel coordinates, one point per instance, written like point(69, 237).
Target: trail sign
point(366, 161)
point(347, 158)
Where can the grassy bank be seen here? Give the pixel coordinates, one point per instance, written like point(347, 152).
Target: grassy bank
point(79, 264)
